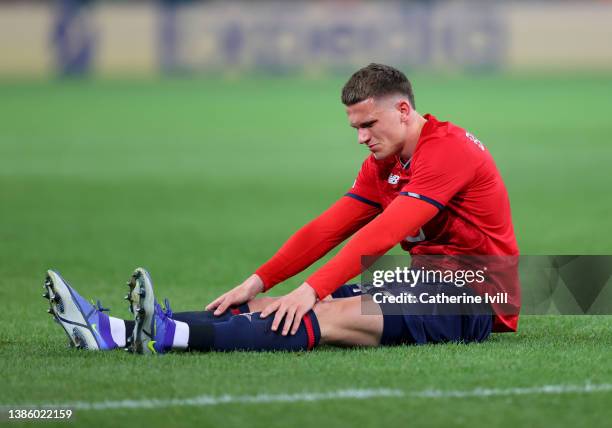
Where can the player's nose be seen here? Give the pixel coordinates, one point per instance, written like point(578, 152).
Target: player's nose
point(363, 135)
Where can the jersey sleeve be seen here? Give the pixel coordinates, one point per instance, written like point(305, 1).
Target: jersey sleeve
point(364, 188)
point(316, 239)
point(403, 217)
point(441, 169)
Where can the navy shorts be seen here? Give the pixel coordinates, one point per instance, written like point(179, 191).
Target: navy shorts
point(405, 324)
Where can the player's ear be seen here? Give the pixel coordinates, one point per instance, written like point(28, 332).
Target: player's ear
point(404, 108)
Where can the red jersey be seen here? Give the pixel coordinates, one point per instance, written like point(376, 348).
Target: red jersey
point(452, 170)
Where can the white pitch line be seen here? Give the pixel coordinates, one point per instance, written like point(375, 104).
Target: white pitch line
point(209, 400)
point(345, 394)
point(535, 390)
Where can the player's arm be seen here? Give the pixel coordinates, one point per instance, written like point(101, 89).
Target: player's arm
point(316, 239)
point(306, 246)
point(402, 218)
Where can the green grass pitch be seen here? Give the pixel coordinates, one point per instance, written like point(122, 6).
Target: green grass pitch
point(201, 180)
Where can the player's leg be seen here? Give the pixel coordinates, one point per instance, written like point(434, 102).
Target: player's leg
point(259, 303)
point(350, 321)
point(333, 321)
point(359, 321)
point(157, 332)
point(88, 326)
point(255, 305)
point(340, 317)
point(209, 316)
point(205, 317)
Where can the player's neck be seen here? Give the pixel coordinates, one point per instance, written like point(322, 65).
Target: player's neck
point(412, 137)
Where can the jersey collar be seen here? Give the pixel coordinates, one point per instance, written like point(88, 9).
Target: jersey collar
point(404, 165)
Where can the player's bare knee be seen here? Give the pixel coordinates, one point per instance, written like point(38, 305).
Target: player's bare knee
point(341, 323)
point(259, 304)
point(327, 312)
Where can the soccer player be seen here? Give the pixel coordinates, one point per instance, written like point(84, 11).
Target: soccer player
point(427, 185)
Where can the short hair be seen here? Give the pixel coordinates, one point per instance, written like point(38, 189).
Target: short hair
point(374, 81)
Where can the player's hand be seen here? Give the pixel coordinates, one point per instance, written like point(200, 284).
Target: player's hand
point(292, 307)
point(238, 295)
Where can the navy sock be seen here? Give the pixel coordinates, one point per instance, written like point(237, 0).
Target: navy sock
point(205, 317)
point(201, 336)
point(129, 328)
point(249, 332)
point(195, 317)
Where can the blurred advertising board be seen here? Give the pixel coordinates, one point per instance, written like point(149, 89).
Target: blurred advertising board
point(139, 38)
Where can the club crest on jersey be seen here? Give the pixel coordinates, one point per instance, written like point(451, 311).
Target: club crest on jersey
point(393, 179)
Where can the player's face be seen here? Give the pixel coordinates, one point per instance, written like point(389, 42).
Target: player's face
point(380, 125)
